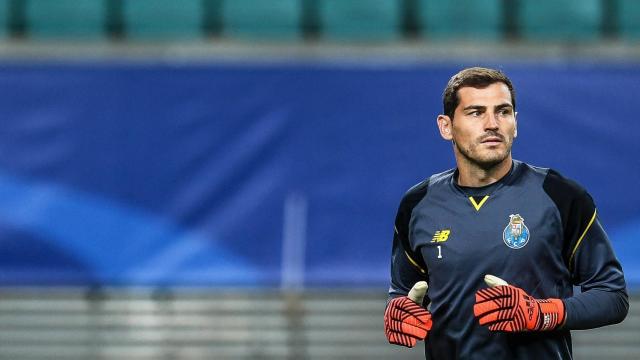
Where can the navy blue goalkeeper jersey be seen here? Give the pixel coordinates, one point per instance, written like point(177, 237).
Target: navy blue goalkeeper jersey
point(533, 228)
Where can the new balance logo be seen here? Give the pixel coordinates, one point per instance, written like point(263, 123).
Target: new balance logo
point(441, 236)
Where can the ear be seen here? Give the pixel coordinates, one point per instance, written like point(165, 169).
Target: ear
point(515, 119)
point(445, 126)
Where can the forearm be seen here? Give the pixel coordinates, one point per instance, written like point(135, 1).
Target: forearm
point(603, 300)
point(595, 308)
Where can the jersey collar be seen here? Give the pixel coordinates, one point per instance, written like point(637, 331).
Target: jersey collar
point(487, 189)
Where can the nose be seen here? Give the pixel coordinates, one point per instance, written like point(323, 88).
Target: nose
point(491, 123)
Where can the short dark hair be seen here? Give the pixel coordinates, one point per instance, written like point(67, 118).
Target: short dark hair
point(476, 77)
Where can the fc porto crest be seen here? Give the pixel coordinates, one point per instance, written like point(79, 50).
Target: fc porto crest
point(516, 234)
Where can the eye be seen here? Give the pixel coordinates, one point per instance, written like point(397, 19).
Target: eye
point(475, 113)
point(504, 112)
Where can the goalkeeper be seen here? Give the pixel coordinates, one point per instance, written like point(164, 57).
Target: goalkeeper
point(499, 242)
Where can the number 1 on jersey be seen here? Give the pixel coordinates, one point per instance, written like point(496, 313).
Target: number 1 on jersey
point(439, 252)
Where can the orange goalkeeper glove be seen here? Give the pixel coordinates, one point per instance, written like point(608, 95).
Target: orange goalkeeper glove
point(507, 308)
point(405, 320)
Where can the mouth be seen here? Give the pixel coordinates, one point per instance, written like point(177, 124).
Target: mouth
point(491, 140)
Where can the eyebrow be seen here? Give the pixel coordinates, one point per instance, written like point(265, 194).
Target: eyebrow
point(475, 107)
point(504, 105)
point(481, 107)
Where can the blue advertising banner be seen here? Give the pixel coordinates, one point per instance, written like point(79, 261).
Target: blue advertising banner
point(268, 175)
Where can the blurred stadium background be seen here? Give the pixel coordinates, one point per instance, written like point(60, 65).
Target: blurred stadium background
point(209, 179)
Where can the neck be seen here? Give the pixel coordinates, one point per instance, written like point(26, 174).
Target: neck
point(473, 175)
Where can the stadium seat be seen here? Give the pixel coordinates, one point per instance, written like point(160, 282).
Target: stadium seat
point(69, 19)
point(629, 19)
point(277, 19)
point(163, 19)
point(360, 19)
point(560, 19)
point(461, 19)
point(4, 18)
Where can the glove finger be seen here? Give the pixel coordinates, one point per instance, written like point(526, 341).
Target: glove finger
point(401, 308)
point(413, 308)
point(491, 293)
point(397, 313)
point(401, 339)
point(423, 322)
point(390, 331)
point(483, 308)
point(417, 330)
point(506, 326)
point(395, 310)
point(495, 316)
point(421, 315)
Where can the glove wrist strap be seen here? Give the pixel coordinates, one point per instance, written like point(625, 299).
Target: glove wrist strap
point(551, 314)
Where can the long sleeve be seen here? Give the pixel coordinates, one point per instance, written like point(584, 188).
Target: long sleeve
point(589, 257)
point(404, 273)
point(604, 299)
point(407, 265)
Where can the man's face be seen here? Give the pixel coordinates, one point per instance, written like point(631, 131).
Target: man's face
point(483, 126)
